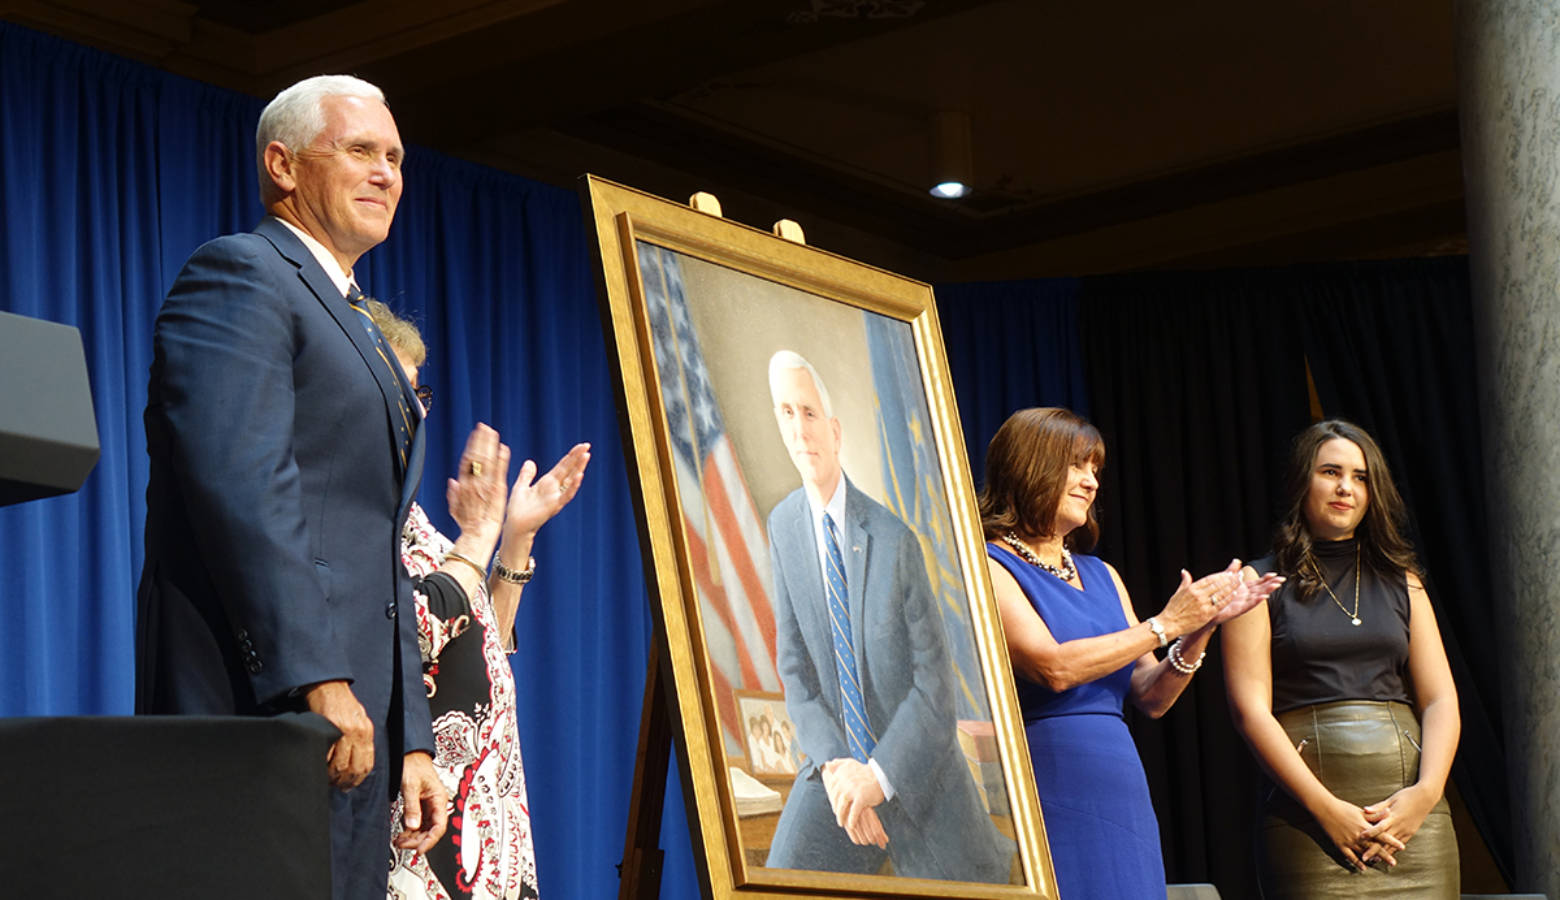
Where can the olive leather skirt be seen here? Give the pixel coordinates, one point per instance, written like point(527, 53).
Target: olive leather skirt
point(1363, 752)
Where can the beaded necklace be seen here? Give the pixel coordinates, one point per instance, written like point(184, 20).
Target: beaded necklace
point(1066, 571)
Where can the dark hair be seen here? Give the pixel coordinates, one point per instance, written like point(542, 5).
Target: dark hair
point(1383, 547)
point(1026, 473)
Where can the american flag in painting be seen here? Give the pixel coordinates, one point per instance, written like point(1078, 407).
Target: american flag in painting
point(726, 542)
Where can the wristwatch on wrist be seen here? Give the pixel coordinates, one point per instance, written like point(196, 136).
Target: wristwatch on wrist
point(512, 576)
point(1158, 630)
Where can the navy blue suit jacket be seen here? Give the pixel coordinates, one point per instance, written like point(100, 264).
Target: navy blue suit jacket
point(276, 496)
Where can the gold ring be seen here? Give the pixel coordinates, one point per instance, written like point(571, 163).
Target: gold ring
point(476, 469)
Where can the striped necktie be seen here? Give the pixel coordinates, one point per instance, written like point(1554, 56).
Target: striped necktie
point(854, 711)
point(405, 422)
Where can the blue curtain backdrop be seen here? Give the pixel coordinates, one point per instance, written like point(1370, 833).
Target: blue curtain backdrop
point(1010, 344)
point(111, 173)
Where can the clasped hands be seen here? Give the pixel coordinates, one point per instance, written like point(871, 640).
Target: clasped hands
point(1380, 830)
point(854, 794)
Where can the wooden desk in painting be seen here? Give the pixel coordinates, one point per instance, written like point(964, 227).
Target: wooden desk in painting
point(758, 829)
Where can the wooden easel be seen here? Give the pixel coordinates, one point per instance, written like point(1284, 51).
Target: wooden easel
point(639, 873)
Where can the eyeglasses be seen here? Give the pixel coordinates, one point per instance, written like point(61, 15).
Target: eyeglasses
point(425, 397)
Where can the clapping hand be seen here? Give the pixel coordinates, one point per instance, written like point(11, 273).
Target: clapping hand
point(1245, 596)
point(1195, 603)
point(476, 494)
point(531, 504)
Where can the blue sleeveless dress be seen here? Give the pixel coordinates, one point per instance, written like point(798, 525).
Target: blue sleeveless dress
point(1093, 794)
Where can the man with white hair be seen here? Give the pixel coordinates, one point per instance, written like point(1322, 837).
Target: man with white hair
point(864, 663)
point(285, 452)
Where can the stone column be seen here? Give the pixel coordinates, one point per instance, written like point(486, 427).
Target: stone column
point(1509, 99)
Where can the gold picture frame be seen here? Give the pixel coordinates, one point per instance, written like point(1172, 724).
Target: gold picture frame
point(755, 375)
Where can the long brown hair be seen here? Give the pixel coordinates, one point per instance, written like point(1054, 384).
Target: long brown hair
point(1383, 546)
point(1026, 472)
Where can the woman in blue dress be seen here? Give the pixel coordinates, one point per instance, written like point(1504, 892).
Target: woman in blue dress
point(1079, 651)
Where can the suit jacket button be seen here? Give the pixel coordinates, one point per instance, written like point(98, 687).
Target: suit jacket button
point(254, 666)
point(390, 610)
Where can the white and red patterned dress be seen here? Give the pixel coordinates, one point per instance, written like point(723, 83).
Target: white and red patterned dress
point(487, 850)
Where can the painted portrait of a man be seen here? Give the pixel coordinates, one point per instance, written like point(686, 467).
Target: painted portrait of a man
point(822, 553)
point(864, 665)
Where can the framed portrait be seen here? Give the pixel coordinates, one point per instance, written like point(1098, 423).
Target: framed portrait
point(845, 709)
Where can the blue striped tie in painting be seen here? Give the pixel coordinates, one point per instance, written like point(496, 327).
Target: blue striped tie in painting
point(853, 709)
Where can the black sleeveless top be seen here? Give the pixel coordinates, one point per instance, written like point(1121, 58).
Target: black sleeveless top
point(1319, 655)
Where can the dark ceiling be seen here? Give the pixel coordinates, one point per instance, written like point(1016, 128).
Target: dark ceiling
point(1102, 137)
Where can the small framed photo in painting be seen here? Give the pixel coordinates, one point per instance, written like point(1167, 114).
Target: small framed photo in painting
point(769, 737)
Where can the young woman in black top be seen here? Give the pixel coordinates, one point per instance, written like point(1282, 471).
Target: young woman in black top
point(1340, 684)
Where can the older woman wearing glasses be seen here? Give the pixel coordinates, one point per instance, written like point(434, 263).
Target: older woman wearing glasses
point(465, 623)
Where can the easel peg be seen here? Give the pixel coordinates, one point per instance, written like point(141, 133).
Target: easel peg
point(788, 229)
point(705, 202)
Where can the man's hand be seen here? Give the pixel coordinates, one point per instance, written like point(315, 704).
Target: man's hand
point(866, 829)
point(423, 803)
point(853, 793)
point(352, 756)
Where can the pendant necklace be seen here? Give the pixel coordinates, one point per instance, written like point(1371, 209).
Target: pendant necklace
point(1354, 617)
point(1066, 571)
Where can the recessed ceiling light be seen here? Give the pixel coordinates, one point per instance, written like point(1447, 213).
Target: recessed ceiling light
point(952, 172)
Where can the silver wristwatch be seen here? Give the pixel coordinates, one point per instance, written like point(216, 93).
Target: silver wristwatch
point(511, 575)
point(1158, 630)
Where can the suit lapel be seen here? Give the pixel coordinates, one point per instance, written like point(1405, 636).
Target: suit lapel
point(392, 388)
point(857, 548)
point(413, 477)
point(809, 598)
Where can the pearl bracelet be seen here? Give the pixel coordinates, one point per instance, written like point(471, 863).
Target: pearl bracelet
point(1181, 665)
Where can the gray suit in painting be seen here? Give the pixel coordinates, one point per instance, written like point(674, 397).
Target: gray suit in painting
point(936, 824)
